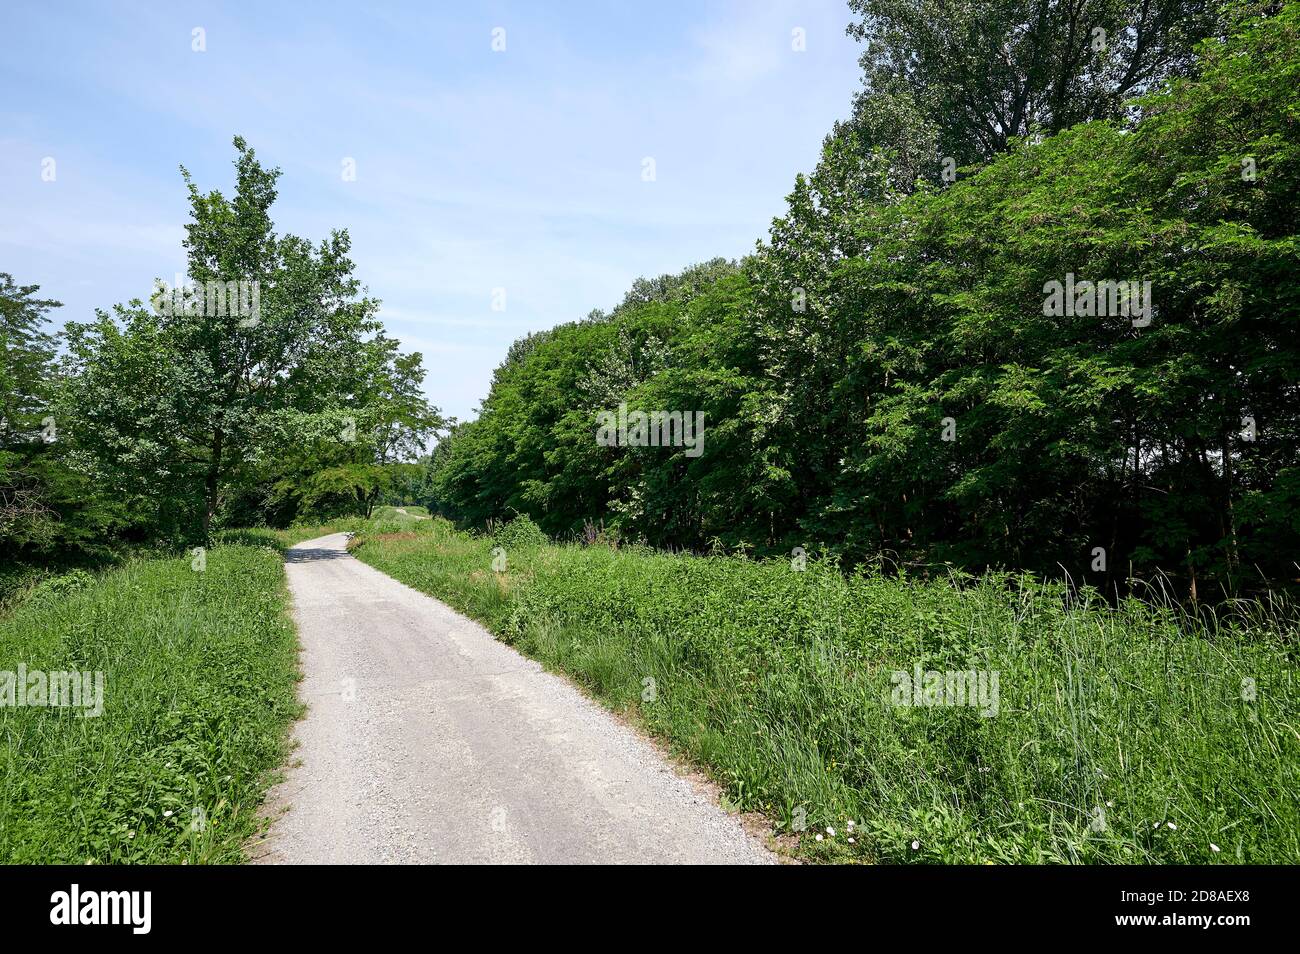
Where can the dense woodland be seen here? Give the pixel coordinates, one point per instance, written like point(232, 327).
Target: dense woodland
point(880, 379)
point(892, 308)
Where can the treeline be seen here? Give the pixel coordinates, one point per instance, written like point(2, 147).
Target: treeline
point(261, 391)
point(1015, 318)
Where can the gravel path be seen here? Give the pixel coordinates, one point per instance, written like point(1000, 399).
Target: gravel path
point(426, 740)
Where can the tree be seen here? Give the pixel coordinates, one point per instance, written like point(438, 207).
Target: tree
point(188, 397)
point(26, 358)
point(45, 505)
point(961, 78)
point(346, 462)
point(26, 363)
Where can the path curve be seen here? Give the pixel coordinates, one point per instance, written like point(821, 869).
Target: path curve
point(426, 740)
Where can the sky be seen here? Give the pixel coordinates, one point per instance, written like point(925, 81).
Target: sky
point(477, 169)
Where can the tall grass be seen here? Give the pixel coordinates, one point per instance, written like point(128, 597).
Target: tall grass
point(199, 671)
point(384, 519)
point(1129, 734)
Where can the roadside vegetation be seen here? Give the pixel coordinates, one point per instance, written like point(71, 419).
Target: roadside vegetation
point(384, 519)
point(163, 423)
point(888, 374)
point(1132, 734)
point(200, 671)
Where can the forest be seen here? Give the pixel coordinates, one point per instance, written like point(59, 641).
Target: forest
point(888, 379)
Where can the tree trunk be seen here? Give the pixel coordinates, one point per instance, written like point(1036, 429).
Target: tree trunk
point(212, 483)
point(1229, 514)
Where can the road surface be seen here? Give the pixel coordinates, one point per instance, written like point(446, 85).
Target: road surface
point(426, 740)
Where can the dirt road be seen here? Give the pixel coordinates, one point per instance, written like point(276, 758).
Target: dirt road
point(427, 740)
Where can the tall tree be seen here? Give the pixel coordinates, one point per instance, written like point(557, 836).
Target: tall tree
point(46, 505)
point(960, 78)
point(26, 365)
point(186, 395)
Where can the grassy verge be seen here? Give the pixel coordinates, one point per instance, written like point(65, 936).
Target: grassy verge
point(383, 520)
point(199, 676)
point(1121, 735)
point(20, 580)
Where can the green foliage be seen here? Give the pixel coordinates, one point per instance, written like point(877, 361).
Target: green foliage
point(54, 588)
point(780, 683)
point(198, 413)
point(198, 692)
point(960, 79)
point(47, 508)
point(517, 533)
point(249, 537)
point(26, 358)
point(829, 366)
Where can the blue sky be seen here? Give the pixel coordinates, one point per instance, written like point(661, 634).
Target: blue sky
point(475, 169)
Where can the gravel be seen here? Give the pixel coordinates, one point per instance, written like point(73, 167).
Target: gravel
point(427, 741)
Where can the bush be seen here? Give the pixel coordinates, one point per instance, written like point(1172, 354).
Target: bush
point(517, 533)
point(250, 537)
point(56, 587)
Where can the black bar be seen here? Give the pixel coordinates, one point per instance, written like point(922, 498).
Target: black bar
point(219, 903)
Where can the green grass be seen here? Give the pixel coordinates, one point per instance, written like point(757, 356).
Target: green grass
point(15, 578)
point(20, 579)
point(778, 682)
point(384, 520)
point(200, 671)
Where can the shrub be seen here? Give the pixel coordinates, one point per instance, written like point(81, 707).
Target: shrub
point(56, 587)
point(518, 533)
